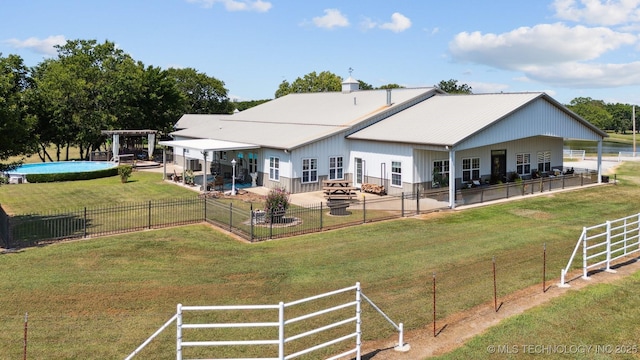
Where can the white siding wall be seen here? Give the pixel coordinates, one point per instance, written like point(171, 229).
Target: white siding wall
point(375, 155)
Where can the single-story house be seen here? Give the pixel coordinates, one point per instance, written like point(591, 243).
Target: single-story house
point(407, 139)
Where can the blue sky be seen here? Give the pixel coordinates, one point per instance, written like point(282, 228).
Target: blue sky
point(567, 48)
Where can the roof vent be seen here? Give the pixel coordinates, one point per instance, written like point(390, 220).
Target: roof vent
point(388, 97)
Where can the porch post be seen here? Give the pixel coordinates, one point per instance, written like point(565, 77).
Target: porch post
point(599, 161)
point(164, 163)
point(204, 176)
point(452, 178)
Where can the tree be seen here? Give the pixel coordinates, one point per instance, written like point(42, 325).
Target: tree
point(15, 124)
point(85, 86)
point(593, 111)
point(364, 86)
point(621, 115)
point(391, 86)
point(244, 105)
point(154, 102)
point(310, 83)
point(203, 94)
point(451, 86)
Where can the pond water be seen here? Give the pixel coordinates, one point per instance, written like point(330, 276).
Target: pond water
point(591, 147)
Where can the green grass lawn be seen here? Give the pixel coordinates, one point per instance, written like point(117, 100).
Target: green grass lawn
point(100, 298)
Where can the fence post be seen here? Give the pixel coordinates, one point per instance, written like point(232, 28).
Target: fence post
point(418, 202)
point(149, 222)
point(281, 331)
point(609, 247)
point(179, 332)
point(321, 211)
point(84, 223)
point(230, 217)
point(364, 210)
point(204, 215)
point(26, 322)
point(402, 204)
point(584, 256)
point(544, 267)
point(358, 320)
point(251, 221)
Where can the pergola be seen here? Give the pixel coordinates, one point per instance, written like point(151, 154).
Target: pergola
point(198, 149)
point(115, 134)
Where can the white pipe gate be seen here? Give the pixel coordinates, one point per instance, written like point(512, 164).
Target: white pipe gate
point(280, 324)
point(605, 243)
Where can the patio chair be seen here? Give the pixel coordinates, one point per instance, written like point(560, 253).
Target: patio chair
point(176, 177)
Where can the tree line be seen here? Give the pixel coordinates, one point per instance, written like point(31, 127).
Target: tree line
point(66, 101)
point(88, 87)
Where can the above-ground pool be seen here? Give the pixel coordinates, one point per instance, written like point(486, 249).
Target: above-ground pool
point(59, 167)
point(21, 173)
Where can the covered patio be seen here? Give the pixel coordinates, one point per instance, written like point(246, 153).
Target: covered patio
point(203, 150)
point(133, 148)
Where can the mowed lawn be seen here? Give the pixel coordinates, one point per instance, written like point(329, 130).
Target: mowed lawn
point(100, 298)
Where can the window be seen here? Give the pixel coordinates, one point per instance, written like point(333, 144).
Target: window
point(335, 168)
point(523, 164)
point(544, 161)
point(309, 170)
point(396, 173)
point(470, 169)
point(441, 173)
point(274, 168)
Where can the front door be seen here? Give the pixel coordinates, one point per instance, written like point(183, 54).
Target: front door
point(498, 166)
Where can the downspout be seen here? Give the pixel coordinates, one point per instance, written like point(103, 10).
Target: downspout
point(452, 178)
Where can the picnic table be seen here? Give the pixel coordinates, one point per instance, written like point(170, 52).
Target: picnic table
point(337, 193)
point(338, 189)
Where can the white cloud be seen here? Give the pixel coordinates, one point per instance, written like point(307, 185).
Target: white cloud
point(399, 23)
point(485, 87)
point(552, 53)
point(40, 46)
point(236, 5)
point(543, 44)
point(332, 18)
point(598, 12)
point(367, 24)
point(587, 75)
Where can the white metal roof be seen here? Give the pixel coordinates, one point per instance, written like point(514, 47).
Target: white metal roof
point(297, 119)
point(449, 119)
point(208, 145)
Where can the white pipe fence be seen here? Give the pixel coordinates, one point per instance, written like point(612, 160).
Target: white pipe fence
point(605, 243)
point(626, 154)
point(280, 325)
point(580, 154)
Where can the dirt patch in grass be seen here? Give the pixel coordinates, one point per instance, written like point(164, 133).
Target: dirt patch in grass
point(531, 214)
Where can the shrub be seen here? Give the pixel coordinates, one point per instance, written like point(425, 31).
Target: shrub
point(277, 203)
point(88, 175)
point(125, 172)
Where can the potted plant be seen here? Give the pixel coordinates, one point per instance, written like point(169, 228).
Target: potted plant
point(125, 172)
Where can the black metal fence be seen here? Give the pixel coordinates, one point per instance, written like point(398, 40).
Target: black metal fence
point(242, 219)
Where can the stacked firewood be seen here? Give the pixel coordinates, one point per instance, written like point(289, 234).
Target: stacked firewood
point(373, 189)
